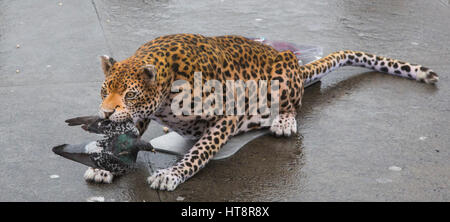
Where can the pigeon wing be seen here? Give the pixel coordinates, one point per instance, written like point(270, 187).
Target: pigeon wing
point(82, 120)
point(77, 153)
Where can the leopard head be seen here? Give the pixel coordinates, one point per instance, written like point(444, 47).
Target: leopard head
point(130, 91)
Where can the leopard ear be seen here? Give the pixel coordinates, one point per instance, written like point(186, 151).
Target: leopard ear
point(150, 71)
point(107, 63)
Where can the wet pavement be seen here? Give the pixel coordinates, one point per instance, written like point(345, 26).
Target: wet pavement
point(363, 136)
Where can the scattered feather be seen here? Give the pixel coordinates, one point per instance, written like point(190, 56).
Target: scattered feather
point(395, 168)
point(95, 199)
point(54, 176)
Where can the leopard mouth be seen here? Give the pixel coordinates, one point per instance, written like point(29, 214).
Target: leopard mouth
point(120, 117)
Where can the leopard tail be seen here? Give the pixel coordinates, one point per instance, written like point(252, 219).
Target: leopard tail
point(314, 71)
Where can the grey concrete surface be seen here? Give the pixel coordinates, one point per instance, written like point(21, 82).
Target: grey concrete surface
point(352, 127)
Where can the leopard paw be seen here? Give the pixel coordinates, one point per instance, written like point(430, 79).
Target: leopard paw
point(98, 176)
point(284, 125)
point(164, 179)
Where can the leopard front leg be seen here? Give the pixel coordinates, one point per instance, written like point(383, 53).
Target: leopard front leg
point(98, 175)
point(197, 157)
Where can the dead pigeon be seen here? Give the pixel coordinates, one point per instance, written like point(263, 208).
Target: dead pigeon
point(115, 152)
point(95, 124)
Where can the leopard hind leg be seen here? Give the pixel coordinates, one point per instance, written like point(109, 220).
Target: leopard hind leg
point(284, 124)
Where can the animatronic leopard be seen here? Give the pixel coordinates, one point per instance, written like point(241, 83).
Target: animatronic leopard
point(139, 88)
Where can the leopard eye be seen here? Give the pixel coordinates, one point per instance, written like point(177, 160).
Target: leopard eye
point(130, 95)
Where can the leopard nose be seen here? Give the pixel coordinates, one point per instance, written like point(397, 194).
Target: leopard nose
point(108, 114)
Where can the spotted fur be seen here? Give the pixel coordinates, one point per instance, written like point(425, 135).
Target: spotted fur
point(139, 88)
